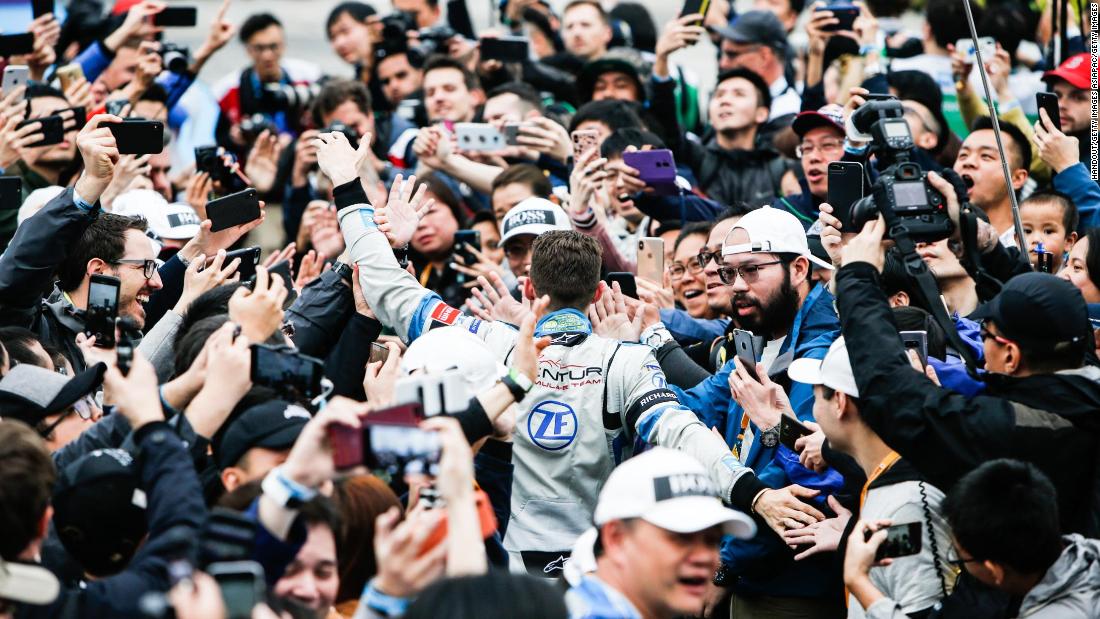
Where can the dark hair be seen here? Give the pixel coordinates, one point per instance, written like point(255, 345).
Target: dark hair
point(360, 500)
point(36, 90)
point(1006, 511)
point(105, 239)
point(643, 30)
point(359, 11)
point(484, 217)
point(1007, 22)
point(666, 225)
point(828, 393)
point(887, 8)
point(27, 476)
point(592, 3)
point(1070, 217)
point(947, 20)
point(614, 144)
point(1092, 257)
point(497, 593)
point(912, 318)
point(439, 61)
point(336, 93)
point(321, 510)
point(1019, 140)
point(763, 92)
point(257, 22)
point(190, 341)
point(611, 112)
point(445, 195)
point(526, 174)
point(523, 90)
point(155, 93)
point(896, 279)
point(691, 229)
point(565, 264)
point(18, 341)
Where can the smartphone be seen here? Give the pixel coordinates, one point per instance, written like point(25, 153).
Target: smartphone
point(233, 210)
point(504, 49)
point(102, 314)
point(748, 351)
point(651, 259)
point(916, 340)
point(281, 269)
point(52, 129)
point(69, 74)
point(242, 586)
point(511, 133)
point(15, 75)
point(901, 540)
point(378, 352)
point(16, 44)
point(481, 137)
point(177, 16)
point(250, 257)
point(137, 136)
point(41, 7)
point(846, 14)
point(845, 189)
point(627, 283)
point(1049, 101)
point(695, 6)
point(464, 240)
point(790, 430)
point(79, 119)
point(286, 370)
point(389, 446)
point(584, 140)
point(11, 193)
point(986, 45)
point(655, 167)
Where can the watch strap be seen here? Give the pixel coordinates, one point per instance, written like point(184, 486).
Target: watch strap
point(285, 491)
point(517, 384)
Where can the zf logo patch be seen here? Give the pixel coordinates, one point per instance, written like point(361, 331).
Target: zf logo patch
point(552, 425)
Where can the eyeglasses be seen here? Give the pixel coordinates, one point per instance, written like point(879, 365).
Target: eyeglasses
point(958, 564)
point(748, 272)
point(148, 265)
point(826, 146)
point(82, 407)
point(260, 48)
point(676, 270)
point(986, 334)
point(704, 258)
point(517, 250)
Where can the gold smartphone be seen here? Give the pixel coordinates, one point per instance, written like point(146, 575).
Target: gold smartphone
point(69, 74)
point(651, 259)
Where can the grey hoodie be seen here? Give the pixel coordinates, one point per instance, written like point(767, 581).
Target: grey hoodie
point(1071, 587)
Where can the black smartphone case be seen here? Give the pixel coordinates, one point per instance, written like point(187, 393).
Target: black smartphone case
point(138, 137)
point(233, 210)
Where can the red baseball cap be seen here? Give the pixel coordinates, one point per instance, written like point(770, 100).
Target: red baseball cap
point(1074, 70)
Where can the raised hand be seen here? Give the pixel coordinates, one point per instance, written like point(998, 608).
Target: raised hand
point(528, 348)
point(263, 161)
point(482, 268)
point(310, 460)
point(336, 158)
point(401, 215)
point(497, 302)
point(137, 25)
point(198, 189)
point(678, 34)
point(200, 278)
point(100, 154)
point(259, 311)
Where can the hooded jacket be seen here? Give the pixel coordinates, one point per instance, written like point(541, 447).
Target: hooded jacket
point(1071, 587)
point(1050, 420)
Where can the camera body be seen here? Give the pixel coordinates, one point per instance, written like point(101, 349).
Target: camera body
point(287, 97)
point(349, 132)
point(902, 193)
point(253, 125)
point(176, 58)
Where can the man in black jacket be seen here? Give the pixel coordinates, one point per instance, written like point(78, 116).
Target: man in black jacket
point(1041, 404)
point(167, 476)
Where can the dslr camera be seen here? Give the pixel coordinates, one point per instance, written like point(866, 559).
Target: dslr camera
point(902, 193)
point(287, 97)
point(349, 132)
point(176, 58)
point(428, 42)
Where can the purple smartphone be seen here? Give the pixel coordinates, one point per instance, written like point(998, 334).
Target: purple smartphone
point(656, 167)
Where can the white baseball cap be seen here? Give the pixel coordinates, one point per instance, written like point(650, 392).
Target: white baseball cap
point(671, 490)
point(450, 347)
point(36, 201)
point(27, 584)
point(772, 231)
point(533, 216)
point(176, 221)
point(834, 371)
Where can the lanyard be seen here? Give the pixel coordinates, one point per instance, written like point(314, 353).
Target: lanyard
point(882, 467)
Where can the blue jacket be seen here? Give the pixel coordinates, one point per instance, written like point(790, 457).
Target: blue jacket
point(1076, 183)
point(688, 330)
point(764, 564)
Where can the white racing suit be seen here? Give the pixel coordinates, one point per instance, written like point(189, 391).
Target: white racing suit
point(593, 397)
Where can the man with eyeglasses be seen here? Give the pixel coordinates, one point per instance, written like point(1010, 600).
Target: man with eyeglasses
point(57, 406)
point(1040, 402)
point(523, 224)
point(765, 263)
point(822, 142)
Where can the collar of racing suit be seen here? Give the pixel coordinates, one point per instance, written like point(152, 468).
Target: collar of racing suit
point(563, 320)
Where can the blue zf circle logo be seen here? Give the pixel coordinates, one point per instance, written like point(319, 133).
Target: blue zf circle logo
point(552, 425)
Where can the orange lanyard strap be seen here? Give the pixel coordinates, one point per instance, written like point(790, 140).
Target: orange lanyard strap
point(882, 467)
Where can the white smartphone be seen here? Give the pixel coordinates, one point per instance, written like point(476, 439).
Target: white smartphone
point(651, 259)
point(987, 46)
point(15, 75)
point(479, 137)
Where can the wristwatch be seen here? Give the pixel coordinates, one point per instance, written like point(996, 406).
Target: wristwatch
point(285, 491)
point(344, 271)
point(517, 384)
point(770, 438)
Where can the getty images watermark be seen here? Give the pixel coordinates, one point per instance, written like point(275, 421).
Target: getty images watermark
point(1094, 109)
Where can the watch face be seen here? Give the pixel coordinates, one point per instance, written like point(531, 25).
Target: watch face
point(769, 438)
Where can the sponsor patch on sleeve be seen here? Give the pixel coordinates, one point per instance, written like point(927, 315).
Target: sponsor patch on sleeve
point(646, 403)
point(445, 314)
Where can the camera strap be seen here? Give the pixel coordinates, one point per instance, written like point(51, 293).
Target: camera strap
point(985, 284)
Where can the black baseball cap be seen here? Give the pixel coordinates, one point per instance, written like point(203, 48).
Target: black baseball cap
point(755, 28)
point(30, 393)
point(99, 510)
point(275, 424)
point(1038, 308)
point(586, 80)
